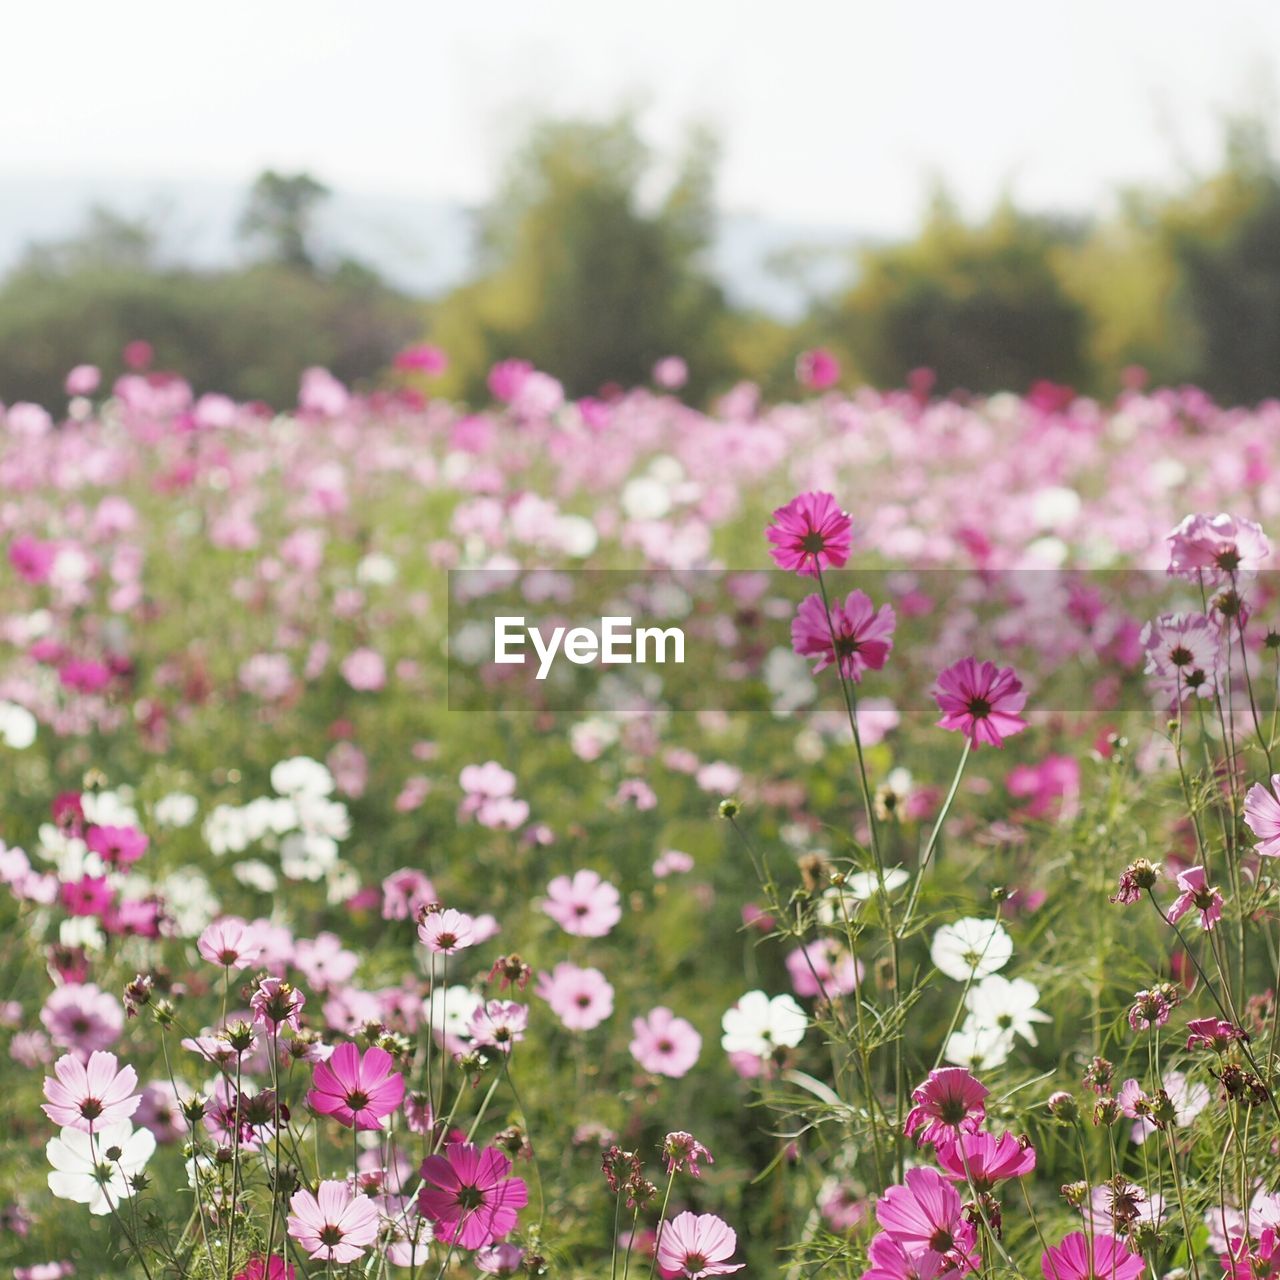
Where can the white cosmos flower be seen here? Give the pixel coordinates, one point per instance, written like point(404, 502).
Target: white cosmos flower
point(304, 856)
point(758, 1024)
point(376, 570)
point(301, 776)
point(256, 874)
point(177, 809)
point(110, 808)
point(449, 1010)
point(95, 1169)
point(190, 901)
point(1006, 1005)
point(17, 726)
point(225, 830)
point(971, 948)
point(977, 1047)
point(841, 901)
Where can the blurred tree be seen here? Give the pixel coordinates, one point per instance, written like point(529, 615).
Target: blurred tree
point(278, 217)
point(248, 333)
point(1224, 236)
point(982, 305)
point(582, 275)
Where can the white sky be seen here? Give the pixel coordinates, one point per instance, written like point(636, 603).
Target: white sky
point(832, 112)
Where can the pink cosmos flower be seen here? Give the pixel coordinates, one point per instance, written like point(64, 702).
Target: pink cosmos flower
point(985, 1159)
point(421, 357)
point(499, 1259)
point(82, 1018)
point(863, 634)
point(696, 1245)
point(817, 370)
point(1197, 893)
point(90, 1096)
point(499, 1024)
point(1240, 1262)
point(1262, 816)
point(890, 1261)
point(664, 1044)
point(272, 1268)
point(925, 1212)
point(982, 702)
point(1077, 1258)
point(356, 1090)
point(1219, 546)
point(671, 862)
point(581, 998)
point(117, 846)
point(1182, 654)
point(446, 932)
point(585, 905)
point(229, 942)
point(334, 1225)
point(683, 1151)
point(470, 1195)
point(810, 533)
point(276, 1003)
point(405, 893)
point(671, 373)
point(823, 968)
point(83, 380)
point(364, 670)
point(1213, 1033)
point(950, 1102)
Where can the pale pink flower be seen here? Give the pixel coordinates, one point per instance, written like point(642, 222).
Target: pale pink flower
point(335, 1225)
point(585, 905)
point(664, 1044)
point(90, 1095)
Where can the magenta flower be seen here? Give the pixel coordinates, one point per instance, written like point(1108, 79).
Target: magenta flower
point(1262, 816)
point(1077, 1258)
point(950, 1102)
point(863, 634)
point(1213, 1033)
point(356, 1090)
point(664, 1044)
point(117, 846)
point(817, 370)
point(470, 1195)
point(585, 905)
point(985, 1159)
point(90, 1096)
point(229, 942)
point(581, 998)
point(1197, 892)
point(809, 534)
point(272, 1268)
point(334, 1225)
point(696, 1245)
point(926, 1213)
point(890, 1261)
point(445, 932)
point(982, 702)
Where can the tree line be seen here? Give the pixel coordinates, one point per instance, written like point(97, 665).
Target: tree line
point(588, 267)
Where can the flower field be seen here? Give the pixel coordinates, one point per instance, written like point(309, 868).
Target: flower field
point(921, 921)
